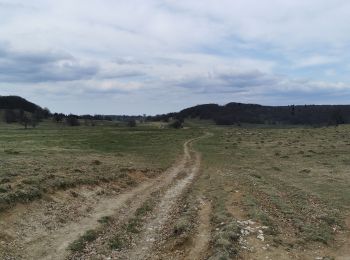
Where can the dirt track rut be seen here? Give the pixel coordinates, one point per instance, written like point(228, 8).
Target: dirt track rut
point(43, 243)
point(143, 248)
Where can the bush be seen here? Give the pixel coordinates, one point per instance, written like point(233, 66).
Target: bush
point(177, 124)
point(57, 118)
point(72, 120)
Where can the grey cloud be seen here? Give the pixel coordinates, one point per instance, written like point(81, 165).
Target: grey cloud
point(122, 74)
point(247, 79)
point(78, 90)
point(150, 61)
point(34, 67)
point(256, 83)
point(228, 82)
point(128, 61)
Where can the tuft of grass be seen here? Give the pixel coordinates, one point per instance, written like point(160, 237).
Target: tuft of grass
point(321, 233)
point(144, 209)
point(104, 220)
point(134, 225)
point(3, 189)
point(181, 226)
point(116, 242)
point(79, 244)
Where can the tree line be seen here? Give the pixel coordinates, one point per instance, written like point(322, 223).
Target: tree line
point(237, 113)
point(27, 119)
point(23, 117)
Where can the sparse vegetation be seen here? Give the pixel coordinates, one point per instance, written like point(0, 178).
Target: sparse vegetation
point(116, 242)
point(135, 223)
point(57, 157)
point(300, 195)
point(292, 181)
point(80, 243)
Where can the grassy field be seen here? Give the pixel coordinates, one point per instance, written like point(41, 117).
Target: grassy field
point(294, 180)
point(50, 157)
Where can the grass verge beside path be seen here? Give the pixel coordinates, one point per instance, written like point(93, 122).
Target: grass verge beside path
point(295, 180)
point(50, 157)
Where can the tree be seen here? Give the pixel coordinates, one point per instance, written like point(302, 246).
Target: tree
point(72, 120)
point(37, 117)
point(57, 118)
point(177, 124)
point(34, 121)
point(46, 113)
point(10, 116)
point(24, 120)
point(292, 111)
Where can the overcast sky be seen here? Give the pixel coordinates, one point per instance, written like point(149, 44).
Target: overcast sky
point(157, 56)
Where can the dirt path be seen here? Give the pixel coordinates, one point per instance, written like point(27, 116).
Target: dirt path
point(202, 238)
point(144, 245)
point(34, 240)
point(54, 245)
point(27, 233)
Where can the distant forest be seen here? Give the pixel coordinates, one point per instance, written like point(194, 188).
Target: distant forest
point(237, 113)
point(16, 109)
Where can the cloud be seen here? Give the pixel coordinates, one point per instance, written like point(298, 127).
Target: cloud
point(170, 54)
point(44, 66)
point(255, 83)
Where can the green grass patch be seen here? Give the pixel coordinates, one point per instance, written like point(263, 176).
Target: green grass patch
point(53, 156)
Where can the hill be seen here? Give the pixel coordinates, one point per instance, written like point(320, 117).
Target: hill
point(18, 103)
point(235, 113)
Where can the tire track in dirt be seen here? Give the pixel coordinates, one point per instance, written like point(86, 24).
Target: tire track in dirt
point(36, 242)
point(203, 235)
point(52, 244)
point(144, 245)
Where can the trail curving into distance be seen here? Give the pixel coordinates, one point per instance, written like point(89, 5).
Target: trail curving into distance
point(24, 225)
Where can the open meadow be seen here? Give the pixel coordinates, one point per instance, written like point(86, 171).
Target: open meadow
point(53, 157)
point(174, 130)
point(152, 192)
point(292, 182)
